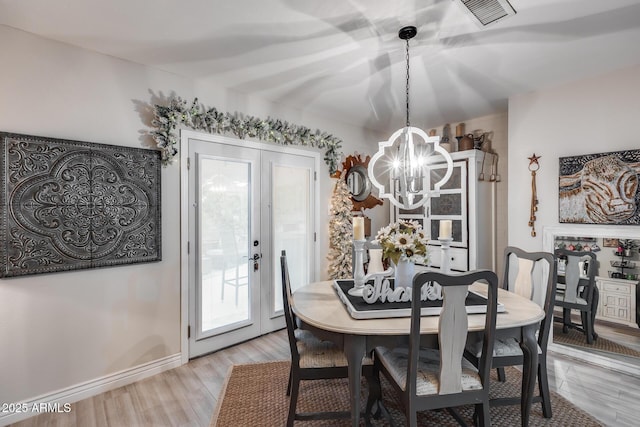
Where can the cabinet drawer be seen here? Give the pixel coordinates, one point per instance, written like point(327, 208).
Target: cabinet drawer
point(459, 258)
point(616, 287)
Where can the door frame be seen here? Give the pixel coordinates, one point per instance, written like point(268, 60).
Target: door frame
point(185, 135)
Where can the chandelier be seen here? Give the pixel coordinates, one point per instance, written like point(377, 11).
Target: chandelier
point(406, 158)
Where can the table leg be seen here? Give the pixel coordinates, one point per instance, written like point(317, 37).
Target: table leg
point(529, 346)
point(354, 350)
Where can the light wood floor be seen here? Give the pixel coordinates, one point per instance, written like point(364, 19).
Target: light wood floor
point(187, 396)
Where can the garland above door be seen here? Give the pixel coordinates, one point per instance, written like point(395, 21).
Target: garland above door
point(210, 120)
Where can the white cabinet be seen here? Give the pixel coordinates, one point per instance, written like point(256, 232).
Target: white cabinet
point(617, 300)
point(469, 204)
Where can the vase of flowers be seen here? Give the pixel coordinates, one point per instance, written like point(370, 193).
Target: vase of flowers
point(403, 243)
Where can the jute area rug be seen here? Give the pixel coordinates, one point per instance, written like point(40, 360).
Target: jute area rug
point(577, 339)
point(255, 395)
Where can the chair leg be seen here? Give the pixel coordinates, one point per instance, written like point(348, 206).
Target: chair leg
point(412, 417)
point(375, 394)
point(289, 381)
point(483, 416)
point(295, 388)
point(594, 310)
point(543, 386)
point(566, 319)
point(502, 375)
point(587, 325)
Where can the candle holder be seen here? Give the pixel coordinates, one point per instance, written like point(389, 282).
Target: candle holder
point(358, 274)
point(445, 244)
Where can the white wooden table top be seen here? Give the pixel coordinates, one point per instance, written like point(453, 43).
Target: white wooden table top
point(318, 305)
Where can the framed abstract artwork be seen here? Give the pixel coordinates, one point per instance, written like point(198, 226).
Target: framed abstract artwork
point(69, 205)
point(600, 188)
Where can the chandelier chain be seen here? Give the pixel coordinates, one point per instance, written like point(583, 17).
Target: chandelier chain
point(407, 88)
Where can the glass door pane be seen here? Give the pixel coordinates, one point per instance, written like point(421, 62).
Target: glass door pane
point(223, 213)
point(289, 214)
point(224, 221)
point(291, 225)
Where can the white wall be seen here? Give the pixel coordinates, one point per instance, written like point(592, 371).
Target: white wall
point(589, 116)
point(59, 330)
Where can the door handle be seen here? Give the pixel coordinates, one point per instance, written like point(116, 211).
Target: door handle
point(256, 257)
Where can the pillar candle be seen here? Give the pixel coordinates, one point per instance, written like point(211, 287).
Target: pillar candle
point(445, 229)
point(358, 228)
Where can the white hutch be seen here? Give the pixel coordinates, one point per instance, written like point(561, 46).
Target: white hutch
point(468, 199)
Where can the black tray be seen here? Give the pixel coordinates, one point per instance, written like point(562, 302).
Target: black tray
point(359, 309)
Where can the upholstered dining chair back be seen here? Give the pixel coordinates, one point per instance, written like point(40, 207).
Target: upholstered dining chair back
point(430, 379)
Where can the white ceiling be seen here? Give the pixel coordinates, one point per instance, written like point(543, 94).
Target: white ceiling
point(343, 58)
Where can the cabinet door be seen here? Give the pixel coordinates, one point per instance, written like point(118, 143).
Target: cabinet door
point(616, 301)
point(451, 204)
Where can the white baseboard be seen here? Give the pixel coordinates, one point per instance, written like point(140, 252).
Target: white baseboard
point(59, 398)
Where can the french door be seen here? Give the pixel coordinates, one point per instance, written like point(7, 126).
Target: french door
point(246, 204)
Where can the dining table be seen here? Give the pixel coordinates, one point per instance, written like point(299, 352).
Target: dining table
point(320, 310)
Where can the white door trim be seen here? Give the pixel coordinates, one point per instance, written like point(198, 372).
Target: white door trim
point(185, 135)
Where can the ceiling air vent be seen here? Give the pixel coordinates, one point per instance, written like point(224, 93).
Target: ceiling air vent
point(487, 11)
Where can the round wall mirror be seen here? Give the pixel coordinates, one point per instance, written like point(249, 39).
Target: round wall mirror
point(358, 183)
point(354, 171)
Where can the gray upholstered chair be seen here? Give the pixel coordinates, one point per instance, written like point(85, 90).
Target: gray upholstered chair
point(311, 358)
point(532, 275)
point(428, 379)
point(579, 293)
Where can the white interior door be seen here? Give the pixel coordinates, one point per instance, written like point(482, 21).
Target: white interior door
point(245, 205)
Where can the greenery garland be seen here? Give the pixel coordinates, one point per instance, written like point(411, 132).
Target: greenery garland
point(210, 120)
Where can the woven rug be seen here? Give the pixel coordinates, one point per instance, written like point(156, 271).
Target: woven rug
point(255, 395)
point(576, 338)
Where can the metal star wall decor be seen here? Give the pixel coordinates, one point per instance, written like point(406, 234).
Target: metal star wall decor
point(71, 205)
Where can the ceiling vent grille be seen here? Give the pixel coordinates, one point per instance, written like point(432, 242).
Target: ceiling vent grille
point(488, 11)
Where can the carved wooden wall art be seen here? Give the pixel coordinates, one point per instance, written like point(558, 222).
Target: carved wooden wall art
point(69, 205)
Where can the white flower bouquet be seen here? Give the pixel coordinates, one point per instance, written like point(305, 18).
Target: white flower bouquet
point(403, 240)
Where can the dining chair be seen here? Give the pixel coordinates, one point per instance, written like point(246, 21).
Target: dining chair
point(426, 378)
point(532, 275)
point(579, 293)
point(311, 358)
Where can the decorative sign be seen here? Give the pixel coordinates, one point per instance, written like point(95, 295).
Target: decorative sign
point(71, 205)
point(382, 291)
point(600, 188)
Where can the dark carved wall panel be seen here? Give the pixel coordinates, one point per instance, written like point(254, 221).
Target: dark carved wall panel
point(70, 205)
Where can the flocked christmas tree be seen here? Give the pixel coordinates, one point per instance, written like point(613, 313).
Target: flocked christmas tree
point(340, 232)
